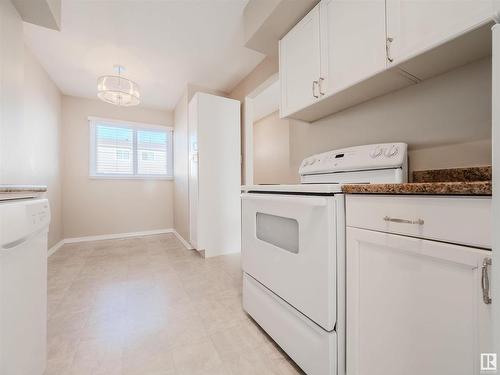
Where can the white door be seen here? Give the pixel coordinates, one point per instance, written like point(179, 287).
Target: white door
point(414, 306)
point(354, 35)
point(289, 245)
point(300, 64)
point(419, 25)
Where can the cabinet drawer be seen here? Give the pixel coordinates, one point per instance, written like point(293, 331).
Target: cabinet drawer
point(460, 220)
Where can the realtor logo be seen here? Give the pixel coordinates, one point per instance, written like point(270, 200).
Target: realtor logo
point(489, 363)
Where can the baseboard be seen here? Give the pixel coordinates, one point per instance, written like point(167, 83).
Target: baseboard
point(56, 247)
point(118, 235)
point(113, 236)
point(186, 244)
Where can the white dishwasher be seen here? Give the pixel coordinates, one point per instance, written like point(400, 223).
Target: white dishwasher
point(417, 284)
point(23, 286)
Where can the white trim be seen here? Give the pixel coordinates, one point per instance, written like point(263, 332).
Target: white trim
point(114, 236)
point(130, 177)
point(131, 124)
point(186, 244)
point(135, 127)
point(54, 248)
point(118, 235)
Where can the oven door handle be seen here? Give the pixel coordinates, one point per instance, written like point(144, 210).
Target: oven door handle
point(312, 201)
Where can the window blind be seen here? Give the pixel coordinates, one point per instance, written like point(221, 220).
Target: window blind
point(121, 149)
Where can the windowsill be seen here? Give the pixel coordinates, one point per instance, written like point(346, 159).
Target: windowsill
point(144, 178)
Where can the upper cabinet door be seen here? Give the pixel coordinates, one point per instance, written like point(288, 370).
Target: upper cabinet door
point(414, 26)
point(353, 33)
point(300, 64)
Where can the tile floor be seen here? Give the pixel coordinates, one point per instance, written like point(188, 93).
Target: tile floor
point(147, 305)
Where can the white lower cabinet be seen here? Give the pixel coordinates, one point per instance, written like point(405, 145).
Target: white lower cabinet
point(415, 306)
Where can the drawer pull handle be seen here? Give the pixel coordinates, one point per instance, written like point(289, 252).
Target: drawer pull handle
point(485, 281)
point(403, 221)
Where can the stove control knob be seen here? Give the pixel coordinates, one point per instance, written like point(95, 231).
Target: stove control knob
point(392, 151)
point(376, 152)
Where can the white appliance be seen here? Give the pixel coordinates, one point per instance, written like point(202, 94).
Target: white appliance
point(418, 288)
point(214, 174)
point(23, 286)
point(293, 252)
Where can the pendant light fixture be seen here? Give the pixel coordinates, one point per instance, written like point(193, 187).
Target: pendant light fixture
point(118, 90)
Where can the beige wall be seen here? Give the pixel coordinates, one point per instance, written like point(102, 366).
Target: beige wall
point(181, 172)
point(445, 120)
point(103, 206)
point(271, 151)
point(263, 71)
point(30, 120)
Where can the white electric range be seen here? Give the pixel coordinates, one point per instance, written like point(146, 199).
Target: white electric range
point(293, 251)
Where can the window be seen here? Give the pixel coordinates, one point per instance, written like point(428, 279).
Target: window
point(129, 150)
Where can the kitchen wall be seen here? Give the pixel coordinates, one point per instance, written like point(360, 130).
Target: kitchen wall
point(181, 165)
point(271, 151)
point(106, 206)
point(30, 118)
point(445, 120)
point(181, 162)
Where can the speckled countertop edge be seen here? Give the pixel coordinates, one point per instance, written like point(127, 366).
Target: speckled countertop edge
point(428, 188)
point(23, 188)
point(472, 174)
point(453, 181)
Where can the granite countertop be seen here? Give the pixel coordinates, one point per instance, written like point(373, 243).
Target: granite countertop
point(23, 188)
point(456, 181)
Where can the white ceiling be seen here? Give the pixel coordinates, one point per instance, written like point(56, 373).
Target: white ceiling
point(163, 44)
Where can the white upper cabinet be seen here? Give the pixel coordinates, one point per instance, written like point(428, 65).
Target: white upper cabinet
point(300, 52)
point(415, 26)
point(353, 33)
point(345, 52)
point(338, 44)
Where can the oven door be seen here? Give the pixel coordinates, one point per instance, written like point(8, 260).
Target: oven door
point(289, 244)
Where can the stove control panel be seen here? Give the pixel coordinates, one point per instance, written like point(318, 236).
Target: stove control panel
point(358, 158)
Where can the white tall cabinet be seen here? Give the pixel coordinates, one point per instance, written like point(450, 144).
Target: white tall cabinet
point(214, 174)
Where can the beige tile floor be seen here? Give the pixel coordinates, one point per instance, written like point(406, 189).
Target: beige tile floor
point(147, 305)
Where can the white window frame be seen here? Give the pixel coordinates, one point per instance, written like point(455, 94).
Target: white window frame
point(93, 121)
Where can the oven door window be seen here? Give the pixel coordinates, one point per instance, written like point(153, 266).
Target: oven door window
point(279, 231)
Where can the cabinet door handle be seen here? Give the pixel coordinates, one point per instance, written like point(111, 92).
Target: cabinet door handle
point(485, 281)
point(315, 83)
point(320, 85)
point(403, 221)
point(388, 42)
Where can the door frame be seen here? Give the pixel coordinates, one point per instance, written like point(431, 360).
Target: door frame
point(496, 182)
point(248, 121)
